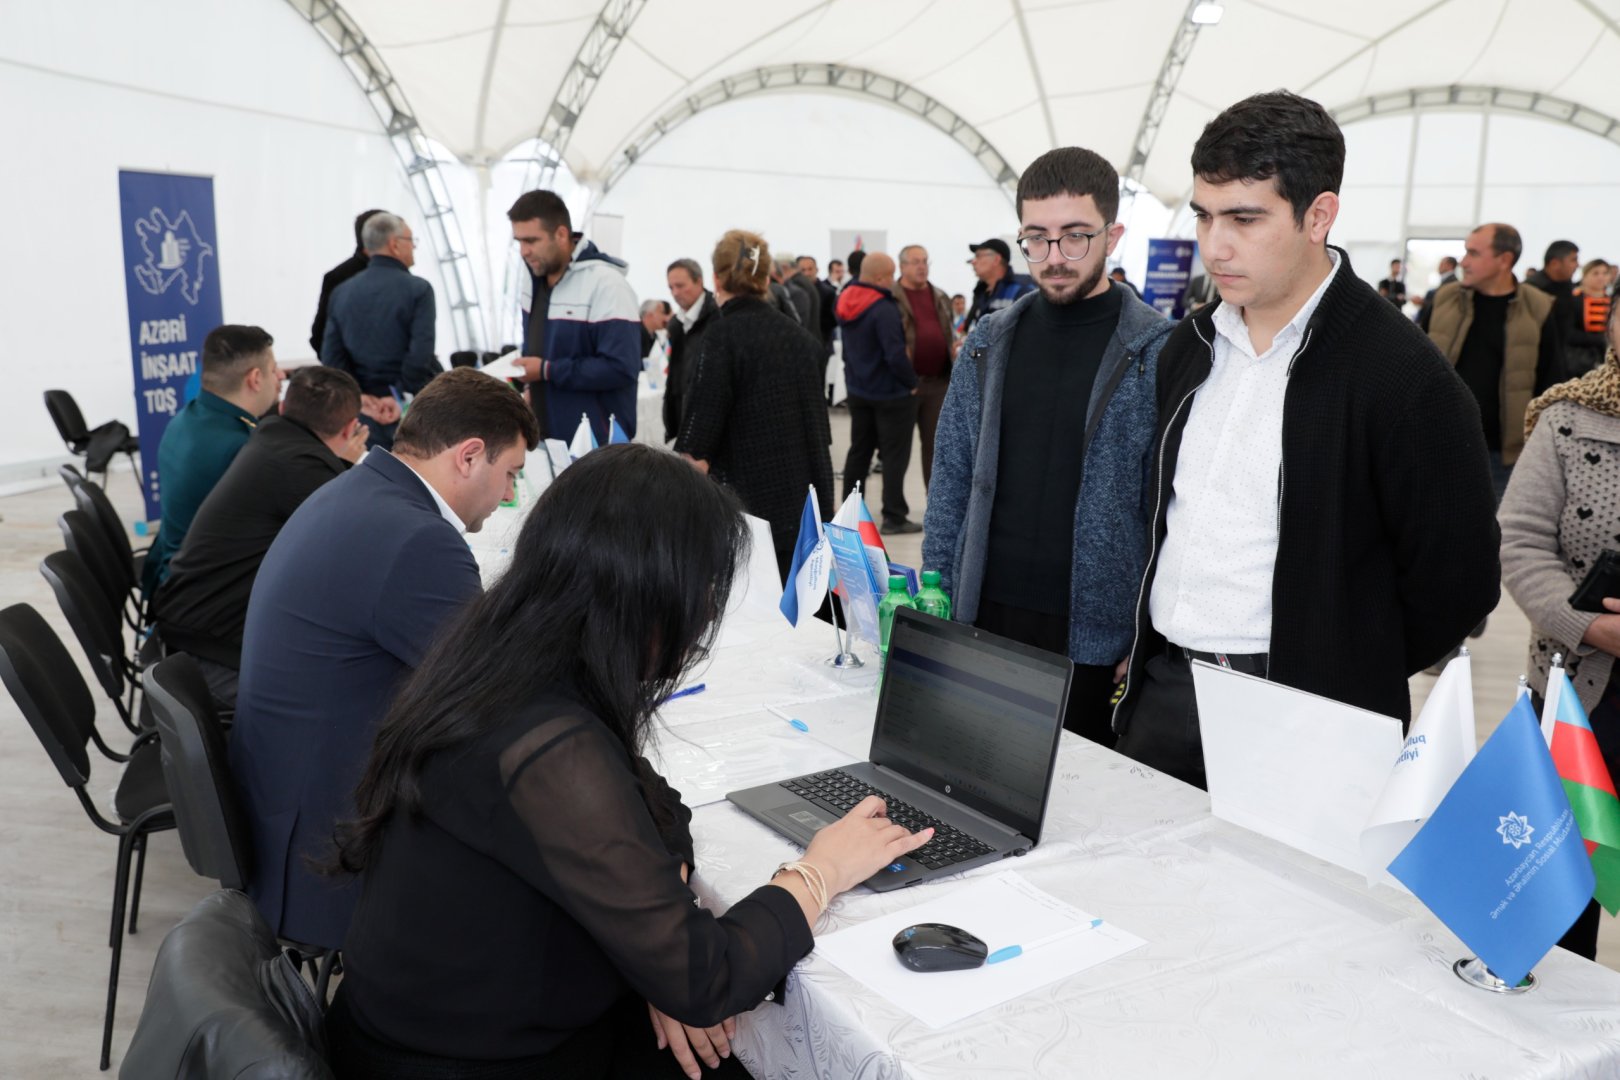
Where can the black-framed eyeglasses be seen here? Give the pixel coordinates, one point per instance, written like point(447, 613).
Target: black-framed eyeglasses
point(1073, 246)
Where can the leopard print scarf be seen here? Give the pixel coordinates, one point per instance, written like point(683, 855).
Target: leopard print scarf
point(1598, 390)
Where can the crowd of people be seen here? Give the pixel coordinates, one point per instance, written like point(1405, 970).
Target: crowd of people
point(1297, 481)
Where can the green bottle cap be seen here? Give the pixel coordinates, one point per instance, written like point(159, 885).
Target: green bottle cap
point(930, 577)
point(897, 581)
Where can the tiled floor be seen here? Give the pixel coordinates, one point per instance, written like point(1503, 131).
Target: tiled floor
point(56, 870)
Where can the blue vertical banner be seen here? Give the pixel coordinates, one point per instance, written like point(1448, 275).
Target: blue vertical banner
point(171, 279)
point(1169, 268)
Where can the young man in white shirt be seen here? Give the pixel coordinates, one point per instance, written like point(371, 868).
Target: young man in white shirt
point(1322, 511)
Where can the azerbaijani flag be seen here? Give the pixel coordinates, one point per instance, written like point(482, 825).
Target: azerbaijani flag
point(1590, 789)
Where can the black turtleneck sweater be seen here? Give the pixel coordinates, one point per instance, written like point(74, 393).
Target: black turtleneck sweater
point(1056, 352)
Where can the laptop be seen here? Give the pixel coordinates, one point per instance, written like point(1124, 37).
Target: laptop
point(965, 741)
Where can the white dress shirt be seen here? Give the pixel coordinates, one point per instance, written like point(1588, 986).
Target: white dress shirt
point(1212, 591)
point(444, 507)
point(689, 316)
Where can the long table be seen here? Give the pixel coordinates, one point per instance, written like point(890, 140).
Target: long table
point(1261, 961)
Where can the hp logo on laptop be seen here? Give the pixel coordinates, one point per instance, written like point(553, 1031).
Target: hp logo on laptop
point(947, 789)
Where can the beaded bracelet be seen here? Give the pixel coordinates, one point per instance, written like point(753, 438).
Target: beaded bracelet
point(813, 881)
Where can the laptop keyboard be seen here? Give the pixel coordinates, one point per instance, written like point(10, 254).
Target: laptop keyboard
point(842, 791)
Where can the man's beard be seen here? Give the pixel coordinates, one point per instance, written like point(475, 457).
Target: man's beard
point(1057, 293)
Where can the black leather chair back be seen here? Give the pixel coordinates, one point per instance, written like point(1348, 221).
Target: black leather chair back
point(225, 1001)
point(94, 502)
point(70, 476)
point(47, 687)
point(88, 541)
point(213, 832)
point(94, 622)
point(68, 419)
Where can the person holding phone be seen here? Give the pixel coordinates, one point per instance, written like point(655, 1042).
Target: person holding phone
point(1560, 511)
point(524, 908)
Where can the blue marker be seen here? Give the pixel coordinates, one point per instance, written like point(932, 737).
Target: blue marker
point(795, 721)
point(686, 692)
point(1012, 951)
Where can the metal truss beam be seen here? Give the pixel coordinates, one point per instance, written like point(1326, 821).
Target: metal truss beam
point(579, 82)
point(1481, 99)
point(1147, 132)
point(416, 157)
point(836, 78)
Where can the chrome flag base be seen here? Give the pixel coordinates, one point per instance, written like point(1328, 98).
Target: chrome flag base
point(1473, 971)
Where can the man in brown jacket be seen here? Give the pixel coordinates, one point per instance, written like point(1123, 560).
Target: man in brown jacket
point(1499, 338)
point(925, 314)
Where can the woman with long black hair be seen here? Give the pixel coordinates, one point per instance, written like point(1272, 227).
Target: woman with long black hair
point(524, 901)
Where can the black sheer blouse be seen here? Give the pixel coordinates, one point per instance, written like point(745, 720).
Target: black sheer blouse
point(541, 883)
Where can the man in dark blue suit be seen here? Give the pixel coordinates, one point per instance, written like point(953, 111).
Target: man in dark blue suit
point(348, 600)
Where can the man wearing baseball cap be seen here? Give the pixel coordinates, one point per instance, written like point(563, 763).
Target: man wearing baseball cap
point(998, 286)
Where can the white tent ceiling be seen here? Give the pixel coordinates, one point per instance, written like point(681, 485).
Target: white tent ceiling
point(480, 75)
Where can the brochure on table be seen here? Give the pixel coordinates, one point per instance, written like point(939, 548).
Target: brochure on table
point(856, 582)
point(1002, 911)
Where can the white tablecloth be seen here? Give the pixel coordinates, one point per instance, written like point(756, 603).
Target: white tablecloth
point(1261, 961)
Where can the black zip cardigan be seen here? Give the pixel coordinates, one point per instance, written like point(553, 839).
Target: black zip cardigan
point(1388, 547)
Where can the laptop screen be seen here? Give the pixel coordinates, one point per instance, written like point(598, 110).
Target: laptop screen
point(972, 715)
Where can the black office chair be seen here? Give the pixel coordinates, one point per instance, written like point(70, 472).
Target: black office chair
point(51, 693)
point(95, 624)
point(91, 497)
point(214, 831)
point(464, 358)
point(96, 445)
point(86, 539)
point(225, 1001)
point(70, 476)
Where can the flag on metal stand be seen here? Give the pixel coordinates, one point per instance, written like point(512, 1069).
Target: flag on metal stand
point(616, 433)
point(1590, 789)
point(1437, 749)
point(1500, 860)
point(584, 439)
point(812, 562)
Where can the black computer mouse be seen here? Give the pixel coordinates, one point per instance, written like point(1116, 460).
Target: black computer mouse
point(933, 946)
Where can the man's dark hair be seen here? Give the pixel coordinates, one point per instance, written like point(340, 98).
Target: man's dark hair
point(958, 296)
point(693, 270)
point(856, 257)
point(1275, 135)
point(1505, 240)
point(834, 262)
point(322, 399)
point(1559, 249)
point(613, 592)
point(229, 352)
point(464, 403)
point(1447, 262)
point(360, 223)
point(545, 205)
point(1120, 270)
point(1071, 170)
point(664, 305)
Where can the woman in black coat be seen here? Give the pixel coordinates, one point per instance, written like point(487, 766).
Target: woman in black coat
point(754, 415)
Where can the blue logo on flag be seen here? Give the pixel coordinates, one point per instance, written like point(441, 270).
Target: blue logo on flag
point(1509, 884)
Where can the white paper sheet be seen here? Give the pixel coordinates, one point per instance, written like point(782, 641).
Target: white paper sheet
point(1002, 910)
point(704, 761)
point(504, 366)
point(1301, 769)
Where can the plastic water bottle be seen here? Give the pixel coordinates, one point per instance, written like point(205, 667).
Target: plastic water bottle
point(931, 599)
point(897, 597)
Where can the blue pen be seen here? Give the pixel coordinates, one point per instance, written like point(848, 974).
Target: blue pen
point(688, 691)
point(795, 721)
point(1012, 951)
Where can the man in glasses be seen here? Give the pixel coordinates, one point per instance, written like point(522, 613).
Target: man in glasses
point(1323, 514)
point(1037, 516)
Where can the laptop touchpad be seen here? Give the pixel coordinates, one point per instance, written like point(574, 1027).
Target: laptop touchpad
point(809, 819)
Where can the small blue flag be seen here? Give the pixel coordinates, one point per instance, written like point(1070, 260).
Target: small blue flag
point(1500, 861)
point(615, 432)
point(807, 576)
